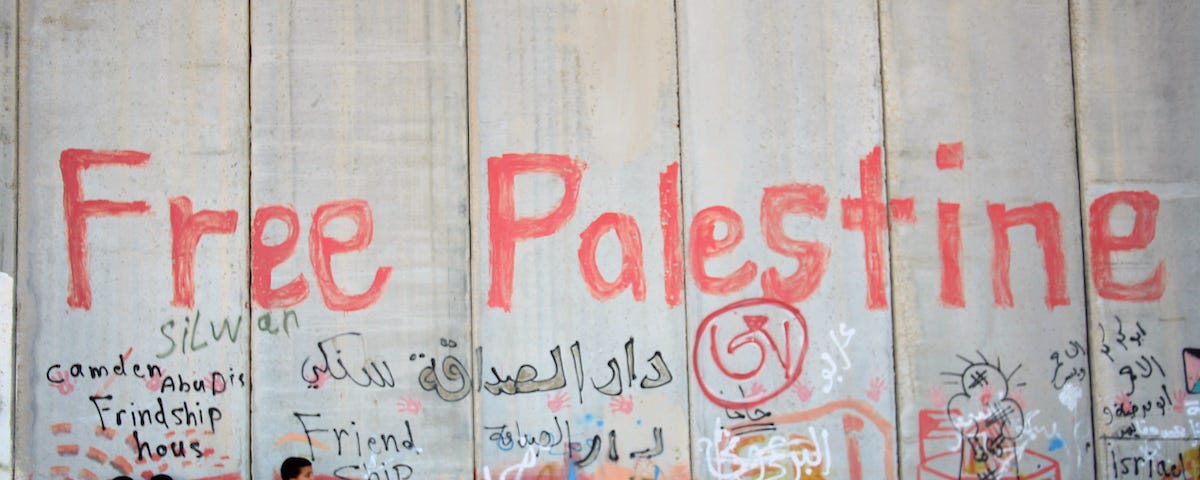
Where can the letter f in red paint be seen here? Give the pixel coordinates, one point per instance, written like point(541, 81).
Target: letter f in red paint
point(76, 211)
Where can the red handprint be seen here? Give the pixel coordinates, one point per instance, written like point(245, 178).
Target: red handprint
point(409, 405)
point(155, 382)
point(62, 382)
point(757, 389)
point(558, 401)
point(1019, 397)
point(1124, 404)
point(878, 386)
point(936, 397)
point(216, 384)
point(621, 404)
point(322, 376)
point(802, 390)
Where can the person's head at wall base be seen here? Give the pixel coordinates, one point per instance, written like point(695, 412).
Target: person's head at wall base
point(296, 468)
point(161, 476)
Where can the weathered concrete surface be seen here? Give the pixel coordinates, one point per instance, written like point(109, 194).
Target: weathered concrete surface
point(990, 346)
point(781, 134)
point(388, 338)
point(359, 115)
point(1137, 80)
point(8, 226)
point(8, 139)
point(573, 135)
point(134, 116)
point(6, 370)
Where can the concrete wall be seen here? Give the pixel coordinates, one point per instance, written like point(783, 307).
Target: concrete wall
point(1137, 78)
point(694, 239)
point(988, 276)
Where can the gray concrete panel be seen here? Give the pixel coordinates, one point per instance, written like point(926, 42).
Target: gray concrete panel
point(1137, 80)
point(992, 370)
point(785, 227)
point(130, 359)
point(581, 365)
point(360, 244)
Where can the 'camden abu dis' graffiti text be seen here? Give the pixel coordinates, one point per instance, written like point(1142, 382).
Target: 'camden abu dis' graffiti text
point(713, 232)
point(164, 413)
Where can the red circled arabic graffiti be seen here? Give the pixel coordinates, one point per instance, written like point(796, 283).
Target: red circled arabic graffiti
point(757, 336)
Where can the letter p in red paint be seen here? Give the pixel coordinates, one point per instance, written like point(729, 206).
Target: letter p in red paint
point(505, 229)
point(72, 162)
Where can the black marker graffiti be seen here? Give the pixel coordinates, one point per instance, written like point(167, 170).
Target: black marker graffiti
point(559, 440)
point(454, 380)
point(333, 364)
point(1070, 364)
point(351, 441)
point(987, 418)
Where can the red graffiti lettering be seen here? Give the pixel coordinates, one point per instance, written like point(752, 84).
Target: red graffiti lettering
point(76, 211)
point(322, 248)
point(186, 230)
point(632, 274)
point(715, 232)
point(949, 156)
point(868, 214)
point(775, 330)
point(851, 427)
point(1045, 221)
point(1103, 244)
point(812, 257)
point(505, 229)
point(668, 214)
point(950, 249)
point(703, 245)
point(264, 258)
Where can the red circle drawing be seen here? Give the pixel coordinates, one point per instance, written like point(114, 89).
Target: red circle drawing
point(775, 330)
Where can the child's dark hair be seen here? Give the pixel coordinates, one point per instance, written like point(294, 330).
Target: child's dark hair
point(292, 466)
